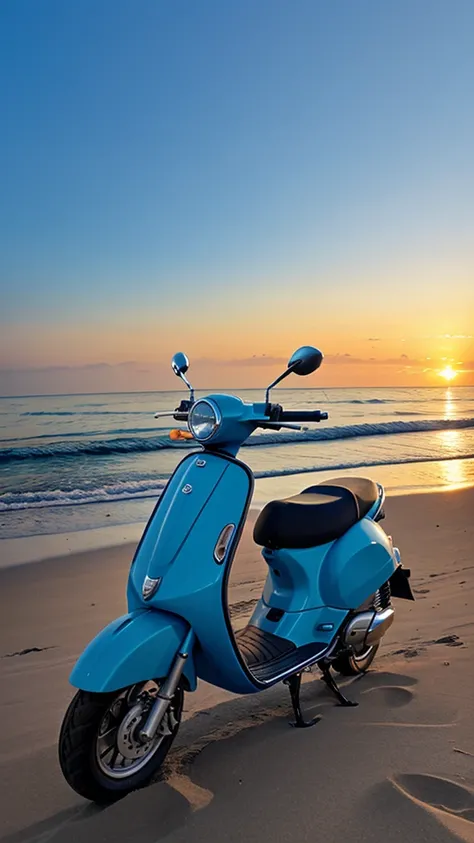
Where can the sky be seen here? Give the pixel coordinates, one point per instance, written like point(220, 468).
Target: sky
point(233, 180)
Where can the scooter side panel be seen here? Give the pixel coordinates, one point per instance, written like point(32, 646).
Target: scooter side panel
point(356, 566)
point(319, 624)
point(139, 646)
point(293, 578)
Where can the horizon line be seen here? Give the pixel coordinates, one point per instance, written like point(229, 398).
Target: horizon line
point(215, 390)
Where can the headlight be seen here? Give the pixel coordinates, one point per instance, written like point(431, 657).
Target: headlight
point(204, 420)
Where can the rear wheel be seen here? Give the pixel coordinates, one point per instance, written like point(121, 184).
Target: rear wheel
point(101, 755)
point(353, 663)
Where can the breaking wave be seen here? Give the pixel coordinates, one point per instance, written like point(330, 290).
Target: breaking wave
point(88, 412)
point(120, 491)
point(134, 444)
point(152, 488)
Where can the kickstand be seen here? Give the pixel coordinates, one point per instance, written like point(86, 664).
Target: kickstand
point(294, 684)
point(333, 686)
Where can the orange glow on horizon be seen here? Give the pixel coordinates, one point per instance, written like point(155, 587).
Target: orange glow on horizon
point(83, 358)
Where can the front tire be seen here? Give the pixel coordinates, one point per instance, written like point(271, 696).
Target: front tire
point(100, 754)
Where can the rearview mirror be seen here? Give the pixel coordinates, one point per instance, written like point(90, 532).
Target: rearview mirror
point(305, 360)
point(180, 364)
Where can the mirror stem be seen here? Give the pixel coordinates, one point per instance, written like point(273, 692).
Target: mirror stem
point(191, 390)
point(280, 378)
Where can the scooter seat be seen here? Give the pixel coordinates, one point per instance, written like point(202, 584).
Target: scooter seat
point(318, 515)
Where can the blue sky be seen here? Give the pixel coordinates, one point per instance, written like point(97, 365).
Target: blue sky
point(201, 164)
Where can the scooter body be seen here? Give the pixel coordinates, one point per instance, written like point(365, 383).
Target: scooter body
point(312, 590)
point(178, 627)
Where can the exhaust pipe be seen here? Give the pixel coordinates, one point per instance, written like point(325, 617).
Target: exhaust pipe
point(368, 628)
point(357, 629)
point(379, 626)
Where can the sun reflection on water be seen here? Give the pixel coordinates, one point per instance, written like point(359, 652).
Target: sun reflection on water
point(449, 405)
point(455, 473)
point(451, 441)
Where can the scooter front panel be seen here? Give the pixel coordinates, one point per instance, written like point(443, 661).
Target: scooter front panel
point(193, 583)
point(173, 518)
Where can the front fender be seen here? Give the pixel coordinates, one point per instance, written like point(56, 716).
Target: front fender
point(134, 648)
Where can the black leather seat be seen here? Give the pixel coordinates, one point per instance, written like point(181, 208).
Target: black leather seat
point(318, 515)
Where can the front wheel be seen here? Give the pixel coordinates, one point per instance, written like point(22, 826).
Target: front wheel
point(100, 754)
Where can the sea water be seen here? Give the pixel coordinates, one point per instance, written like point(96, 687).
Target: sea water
point(77, 462)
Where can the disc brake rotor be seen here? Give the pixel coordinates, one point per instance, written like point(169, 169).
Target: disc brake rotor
point(119, 750)
point(128, 742)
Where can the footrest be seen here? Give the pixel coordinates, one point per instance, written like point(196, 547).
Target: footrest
point(268, 656)
point(259, 647)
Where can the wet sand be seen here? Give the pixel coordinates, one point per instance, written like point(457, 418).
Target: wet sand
point(401, 765)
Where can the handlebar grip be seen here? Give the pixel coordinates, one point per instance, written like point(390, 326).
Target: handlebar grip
point(302, 416)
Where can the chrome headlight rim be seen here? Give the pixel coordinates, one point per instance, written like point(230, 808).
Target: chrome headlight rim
point(217, 419)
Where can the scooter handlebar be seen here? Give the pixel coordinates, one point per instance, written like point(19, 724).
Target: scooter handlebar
point(302, 416)
point(175, 414)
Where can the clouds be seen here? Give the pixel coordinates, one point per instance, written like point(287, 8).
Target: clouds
point(86, 367)
point(339, 369)
point(255, 360)
point(455, 337)
point(348, 359)
point(447, 337)
point(125, 376)
point(337, 359)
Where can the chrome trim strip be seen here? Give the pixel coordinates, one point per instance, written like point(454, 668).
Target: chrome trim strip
point(372, 513)
point(280, 676)
point(150, 586)
point(222, 544)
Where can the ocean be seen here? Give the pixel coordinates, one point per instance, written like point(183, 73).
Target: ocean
point(78, 462)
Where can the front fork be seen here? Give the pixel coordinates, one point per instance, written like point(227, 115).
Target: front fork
point(167, 690)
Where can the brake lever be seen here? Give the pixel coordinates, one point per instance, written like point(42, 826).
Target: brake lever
point(277, 426)
point(175, 414)
point(180, 413)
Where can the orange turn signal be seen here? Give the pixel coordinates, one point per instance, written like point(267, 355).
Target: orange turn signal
point(180, 434)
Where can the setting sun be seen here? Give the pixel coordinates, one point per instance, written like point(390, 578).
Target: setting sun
point(448, 373)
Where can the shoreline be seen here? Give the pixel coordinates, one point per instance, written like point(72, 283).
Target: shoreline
point(398, 481)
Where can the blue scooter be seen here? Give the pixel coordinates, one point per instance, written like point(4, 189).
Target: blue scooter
point(332, 571)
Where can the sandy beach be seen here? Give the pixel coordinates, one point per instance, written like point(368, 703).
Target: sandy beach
point(401, 765)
